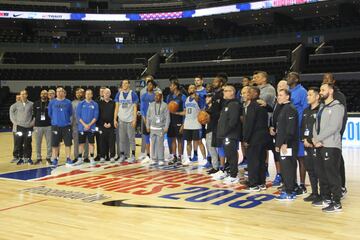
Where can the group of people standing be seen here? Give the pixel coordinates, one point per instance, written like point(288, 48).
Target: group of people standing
point(297, 125)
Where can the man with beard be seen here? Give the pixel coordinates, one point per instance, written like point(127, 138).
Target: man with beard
point(338, 95)
point(79, 96)
point(217, 104)
point(327, 140)
point(42, 126)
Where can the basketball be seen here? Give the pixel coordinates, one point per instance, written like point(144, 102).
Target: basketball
point(203, 117)
point(173, 106)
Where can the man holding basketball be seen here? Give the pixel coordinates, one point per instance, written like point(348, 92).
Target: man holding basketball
point(192, 127)
point(176, 122)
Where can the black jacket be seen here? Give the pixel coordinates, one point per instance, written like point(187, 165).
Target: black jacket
point(256, 124)
point(41, 108)
point(338, 95)
point(307, 124)
point(229, 124)
point(287, 127)
point(106, 113)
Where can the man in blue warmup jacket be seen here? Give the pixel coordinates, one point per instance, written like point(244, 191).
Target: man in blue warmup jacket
point(60, 112)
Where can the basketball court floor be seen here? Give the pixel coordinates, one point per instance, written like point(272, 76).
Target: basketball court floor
point(131, 201)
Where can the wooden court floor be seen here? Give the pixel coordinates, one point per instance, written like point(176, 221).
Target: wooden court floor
point(137, 202)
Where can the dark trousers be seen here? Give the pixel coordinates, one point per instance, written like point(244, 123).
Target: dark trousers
point(310, 161)
point(231, 154)
point(23, 139)
point(256, 155)
point(16, 153)
point(98, 145)
point(342, 172)
point(288, 172)
point(107, 142)
point(328, 169)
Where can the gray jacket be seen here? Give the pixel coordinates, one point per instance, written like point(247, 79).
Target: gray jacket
point(22, 115)
point(163, 114)
point(328, 125)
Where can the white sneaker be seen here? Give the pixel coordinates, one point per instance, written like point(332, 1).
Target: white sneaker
point(112, 160)
point(92, 162)
point(121, 159)
point(142, 156)
point(230, 180)
point(146, 160)
point(170, 158)
point(79, 162)
point(185, 161)
point(131, 159)
point(102, 160)
point(161, 163)
point(220, 175)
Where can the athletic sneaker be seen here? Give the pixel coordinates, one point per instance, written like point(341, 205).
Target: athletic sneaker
point(194, 159)
point(171, 157)
point(28, 161)
point(300, 190)
point(230, 180)
point(146, 160)
point(131, 159)
point(142, 157)
point(262, 187)
point(213, 170)
point(172, 161)
point(54, 162)
point(112, 160)
point(185, 161)
point(14, 160)
point(48, 161)
point(243, 163)
point(161, 163)
point(20, 161)
point(343, 192)
point(333, 207)
point(79, 162)
point(321, 203)
point(92, 162)
point(121, 159)
point(254, 189)
point(207, 165)
point(220, 175)
point(69, 162)
point(277, 180)
point(286, 197)
point(38, 161)
point(102, 160)
point(312, 197)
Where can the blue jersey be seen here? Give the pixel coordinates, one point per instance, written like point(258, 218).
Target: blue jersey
point(146, 99)
point(60, 112)
point(87, 111)
point(180, 99)
point(299, 100)
point(202, 95)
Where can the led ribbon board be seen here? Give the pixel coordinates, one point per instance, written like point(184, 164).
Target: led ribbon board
point(240, 7)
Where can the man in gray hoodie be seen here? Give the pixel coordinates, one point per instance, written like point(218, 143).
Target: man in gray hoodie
point(21, 115)
point(327, 141)
point(157, 123)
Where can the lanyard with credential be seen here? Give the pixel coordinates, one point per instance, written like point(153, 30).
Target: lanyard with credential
point(157, 114)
